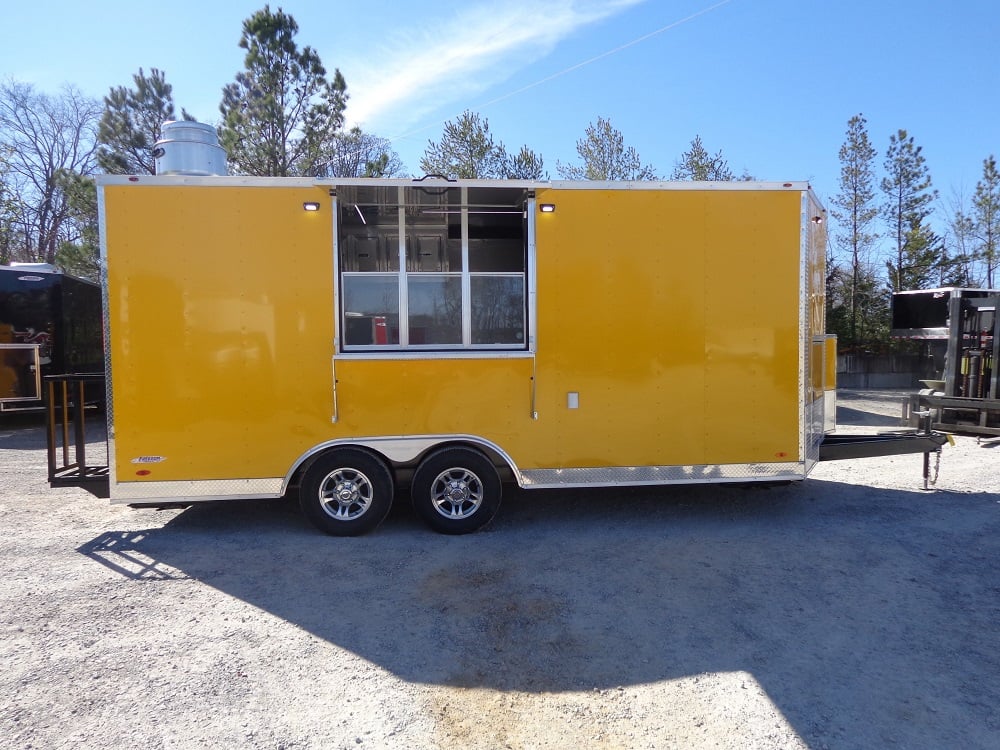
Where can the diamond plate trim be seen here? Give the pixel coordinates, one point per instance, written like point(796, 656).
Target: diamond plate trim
point(645, 475)
point(195, 490)
point(109, 404)
point(815, 415)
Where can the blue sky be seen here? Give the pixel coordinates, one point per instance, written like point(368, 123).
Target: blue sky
point(771, 83)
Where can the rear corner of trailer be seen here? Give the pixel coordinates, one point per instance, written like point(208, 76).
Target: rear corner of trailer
point(765, 349)
point(819, 360)
point(218, 315)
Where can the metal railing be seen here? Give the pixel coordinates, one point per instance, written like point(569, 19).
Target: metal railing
point(68, 399)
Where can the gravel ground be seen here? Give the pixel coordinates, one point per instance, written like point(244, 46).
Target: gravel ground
point(853, 610)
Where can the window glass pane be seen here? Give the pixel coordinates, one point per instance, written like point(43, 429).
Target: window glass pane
point(435, 313)
point(369, 238)
point(496, 255)
point(428, 231)
point(371, 310)
point(426, 250)
point(498, 310)
point(496, 241)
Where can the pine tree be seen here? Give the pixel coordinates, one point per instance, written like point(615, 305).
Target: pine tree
point(79, 252)
point(605, 157)
point(281, 113)
point(855, 210)
point(524, 165)
point(359, 154)
point(923, 256)
point(131, 124)
point(698, 165)
point(986, 207)
point(959, 251)
point(466, 151)
point(909, 198)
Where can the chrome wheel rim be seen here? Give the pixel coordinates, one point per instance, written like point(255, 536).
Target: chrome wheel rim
point(456, 493)
point(346, 494)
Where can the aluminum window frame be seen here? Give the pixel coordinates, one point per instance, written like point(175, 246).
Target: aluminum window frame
point(404, 275)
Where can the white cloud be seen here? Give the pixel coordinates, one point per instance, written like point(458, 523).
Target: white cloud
point(449, 61)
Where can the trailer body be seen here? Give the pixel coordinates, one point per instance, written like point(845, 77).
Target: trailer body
point(573, 334)
point(50, 323)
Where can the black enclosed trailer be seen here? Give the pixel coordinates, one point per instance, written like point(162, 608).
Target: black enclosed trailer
point(50, 323)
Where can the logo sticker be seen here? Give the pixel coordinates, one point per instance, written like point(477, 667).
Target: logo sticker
point(149, 459)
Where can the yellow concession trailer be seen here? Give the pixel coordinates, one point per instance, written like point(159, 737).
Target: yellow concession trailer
point(348, 336)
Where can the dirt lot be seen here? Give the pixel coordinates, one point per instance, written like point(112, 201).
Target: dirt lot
point(853, 610)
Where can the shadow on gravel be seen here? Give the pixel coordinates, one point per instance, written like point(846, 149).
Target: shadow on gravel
point(22, 431)
point(869, 616)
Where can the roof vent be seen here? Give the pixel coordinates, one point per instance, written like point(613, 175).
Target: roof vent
point(189, 148)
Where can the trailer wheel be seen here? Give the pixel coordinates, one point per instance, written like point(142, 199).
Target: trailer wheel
point(456, 490)
point(346, 492)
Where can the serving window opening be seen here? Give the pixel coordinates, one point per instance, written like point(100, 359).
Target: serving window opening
point(432, 268)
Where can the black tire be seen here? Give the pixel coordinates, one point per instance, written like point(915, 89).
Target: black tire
point(456, 490)
point(346, 492)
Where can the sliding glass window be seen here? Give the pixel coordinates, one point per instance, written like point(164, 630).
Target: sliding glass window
point(432, 268)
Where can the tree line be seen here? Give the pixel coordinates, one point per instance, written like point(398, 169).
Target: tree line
point(283, 115)
point(885, 241)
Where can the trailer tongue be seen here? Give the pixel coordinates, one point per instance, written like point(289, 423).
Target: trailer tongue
point(840, 447)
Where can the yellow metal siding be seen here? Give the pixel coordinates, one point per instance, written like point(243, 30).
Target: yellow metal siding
point(220, 328)
point(489, 398)
point(675, 316)
point(830, 378)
